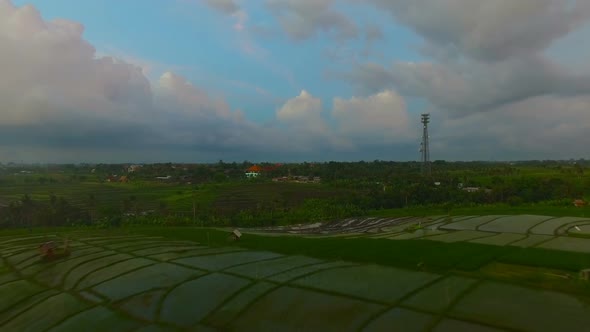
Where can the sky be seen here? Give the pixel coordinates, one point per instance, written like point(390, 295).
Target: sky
point(293, 80)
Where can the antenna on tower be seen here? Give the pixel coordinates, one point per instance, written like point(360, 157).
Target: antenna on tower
point(424, 146)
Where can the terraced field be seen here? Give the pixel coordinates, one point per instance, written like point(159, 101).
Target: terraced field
point(557, 233)
point(148, 283)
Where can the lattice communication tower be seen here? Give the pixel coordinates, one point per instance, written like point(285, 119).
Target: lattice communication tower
point(424, 146)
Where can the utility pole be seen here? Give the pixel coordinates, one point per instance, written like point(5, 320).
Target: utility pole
point(194, 209)
point(424, 146)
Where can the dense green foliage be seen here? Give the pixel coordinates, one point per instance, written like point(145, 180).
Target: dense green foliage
point(29, 213)
point(219, 194)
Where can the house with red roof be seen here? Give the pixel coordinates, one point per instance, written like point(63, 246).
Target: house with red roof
point(253, 171)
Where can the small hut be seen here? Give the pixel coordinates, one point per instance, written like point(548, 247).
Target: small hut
point(236, 234)
point(579, 203)
point(47, 249)
point(50, 250)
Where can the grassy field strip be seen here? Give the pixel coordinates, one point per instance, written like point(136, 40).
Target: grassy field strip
point(7, 252)
point(460, 236)
point(7, 277)
point(521, 308)
point(165, 257)
point(340, 236)
point(230, 298)
point(439, 296)
point(90, 296)
point(264, 269)
point(54, 275)
point(12, 250)
point(400, 319)
point(113, 271)
point(229, 310)
point(514, 224)
point(567, 244)
point(27, 240)
point(25, 258)
point(123, 245)
point(308, 311)
point(453, 325)
point(144, 305)
point(44, 315)
point(158, 275)
point(551, 226)
point(438, 218)
point(79, 272)
point(469, 224)
point(392, 231)
point(124, 241)
point(158, 244)
point(369, 282)
point(21, 257)
point(443, 315)
point(501, 239)
point(16, 291)
point(34, 266)
point(532, 240)
point(461, 218)
point(570, 229)
point(420, 233)
point(171, 248)
point(108, 238)
point(96, 319)
point(292, 274)
point(223, 261)
point(204, 294)
point(25, 304)
point(584, 230)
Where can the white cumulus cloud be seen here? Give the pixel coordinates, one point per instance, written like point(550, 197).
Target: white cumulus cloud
point(379, 118)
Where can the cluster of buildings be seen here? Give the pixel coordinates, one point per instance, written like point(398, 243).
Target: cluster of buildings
point(116, 178)
point(255, 171)
point(298, 179)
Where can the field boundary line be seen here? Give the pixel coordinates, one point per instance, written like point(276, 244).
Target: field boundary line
point(570, 226)
point(31, 261)
point(487, 222)
point(287, 283)
point(253, 262)
point(170, 289)
point(442, 314)
point(75, 286)
point(398, 302)
point(39, 302)
point(251, 284)
point(237, 249)
point(536, 245)
point(117, 276)
point(294, 268)
point(528, 231)
point(51, 264)
point(526, 236)
point(65, 276)
point(56, 324)
point(44, 289)
point(51, 293)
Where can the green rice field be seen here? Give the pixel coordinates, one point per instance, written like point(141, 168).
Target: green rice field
point(174, 279)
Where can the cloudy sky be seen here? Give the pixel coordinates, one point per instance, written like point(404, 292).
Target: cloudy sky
point(293, 80)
